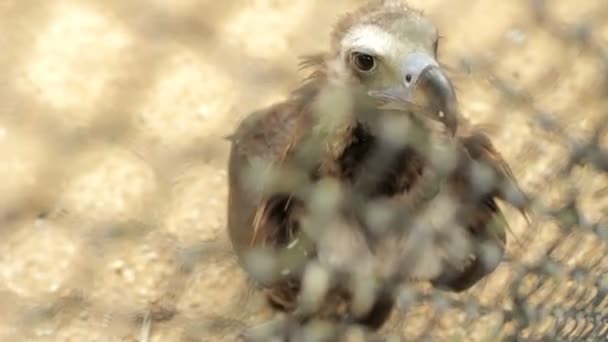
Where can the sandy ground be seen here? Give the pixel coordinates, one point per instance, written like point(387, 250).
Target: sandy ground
point(113, 166)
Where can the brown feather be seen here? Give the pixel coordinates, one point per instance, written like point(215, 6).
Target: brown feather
point(294, 134)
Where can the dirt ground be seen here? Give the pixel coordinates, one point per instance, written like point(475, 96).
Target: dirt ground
point(113, 162)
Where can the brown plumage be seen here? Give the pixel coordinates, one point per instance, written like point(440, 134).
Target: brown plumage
point(330, 133)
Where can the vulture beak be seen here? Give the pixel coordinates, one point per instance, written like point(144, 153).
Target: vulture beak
point(424, 84)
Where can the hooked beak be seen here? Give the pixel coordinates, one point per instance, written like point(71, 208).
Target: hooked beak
point(424, 84)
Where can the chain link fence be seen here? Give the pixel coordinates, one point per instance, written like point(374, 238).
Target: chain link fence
point(114, 180)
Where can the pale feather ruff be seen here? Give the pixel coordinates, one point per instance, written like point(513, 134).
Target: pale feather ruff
point(371, 38)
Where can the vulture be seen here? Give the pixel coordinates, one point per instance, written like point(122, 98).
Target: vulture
point(367, 176)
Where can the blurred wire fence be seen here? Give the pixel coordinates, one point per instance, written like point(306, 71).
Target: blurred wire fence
point(113, 163)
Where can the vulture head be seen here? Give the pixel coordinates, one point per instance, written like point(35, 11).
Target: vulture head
point(388, 51)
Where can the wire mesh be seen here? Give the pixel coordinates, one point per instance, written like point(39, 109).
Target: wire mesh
point(114, 181)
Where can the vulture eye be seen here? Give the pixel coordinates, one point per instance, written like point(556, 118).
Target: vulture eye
point(363, 62)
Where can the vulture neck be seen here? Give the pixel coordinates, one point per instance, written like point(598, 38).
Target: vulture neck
point(348, 143)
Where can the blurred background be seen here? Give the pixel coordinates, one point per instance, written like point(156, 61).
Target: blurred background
point(113, 163)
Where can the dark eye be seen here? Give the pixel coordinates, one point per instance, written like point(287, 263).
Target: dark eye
point(363, 62)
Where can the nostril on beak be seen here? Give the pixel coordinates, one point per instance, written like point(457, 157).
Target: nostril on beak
point(408, 78)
